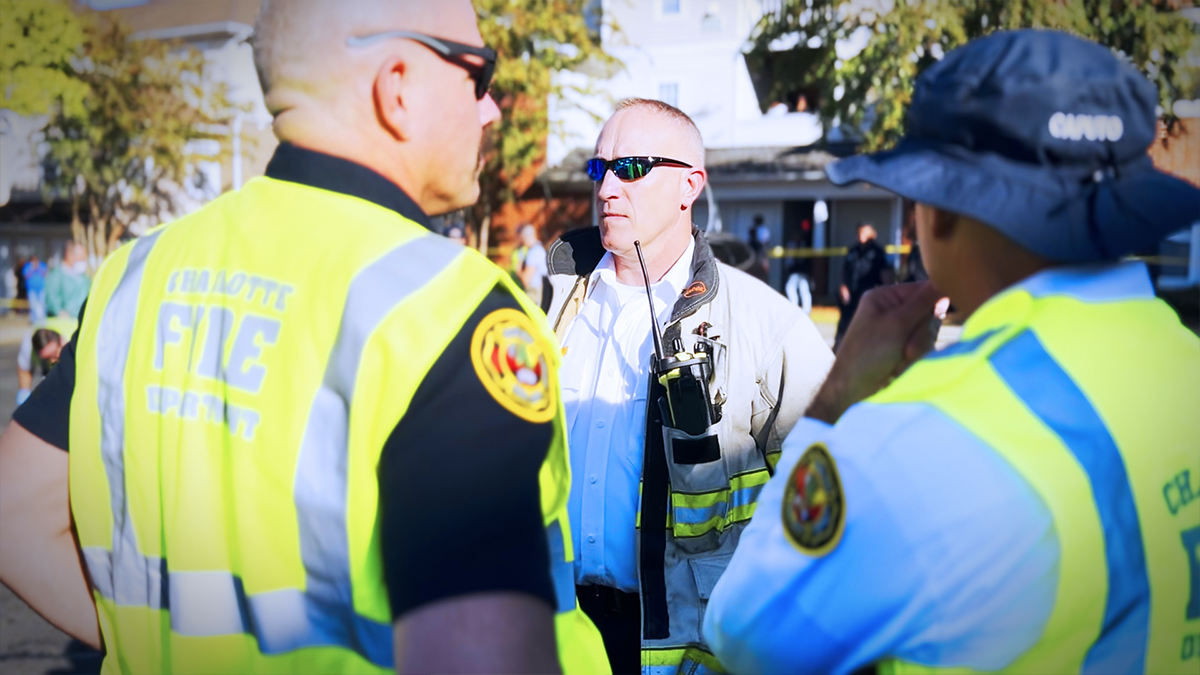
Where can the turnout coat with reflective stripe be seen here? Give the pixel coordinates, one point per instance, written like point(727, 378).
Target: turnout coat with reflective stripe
point(238, 373)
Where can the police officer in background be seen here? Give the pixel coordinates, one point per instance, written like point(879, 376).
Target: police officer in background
point(1018, 501)
point(269, 469)
point(866, 267)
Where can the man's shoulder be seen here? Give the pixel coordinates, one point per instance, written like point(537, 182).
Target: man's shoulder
point(902, 447)
point(868, 429)
point(748, 294)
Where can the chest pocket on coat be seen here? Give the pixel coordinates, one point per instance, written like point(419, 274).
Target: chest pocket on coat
point(699, 478)
point(699, 488)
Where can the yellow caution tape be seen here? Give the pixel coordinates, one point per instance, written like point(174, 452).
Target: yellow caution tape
point(838, 251)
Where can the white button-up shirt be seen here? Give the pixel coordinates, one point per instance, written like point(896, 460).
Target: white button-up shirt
point(604, 383)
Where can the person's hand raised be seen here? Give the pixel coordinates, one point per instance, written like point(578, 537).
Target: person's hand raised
point(893, 327)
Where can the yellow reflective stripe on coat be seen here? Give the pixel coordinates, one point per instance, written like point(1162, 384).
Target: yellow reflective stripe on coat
point(191, 343)
point(685, 661)
point(695, 514)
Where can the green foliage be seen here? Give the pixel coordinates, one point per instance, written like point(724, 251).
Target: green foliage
point(534, 39)
point(38, 40)
point(124, 157)
point(907, 36)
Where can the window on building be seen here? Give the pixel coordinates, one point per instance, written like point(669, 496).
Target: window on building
point(671, 7)
point(711, 22)
point(668, 92)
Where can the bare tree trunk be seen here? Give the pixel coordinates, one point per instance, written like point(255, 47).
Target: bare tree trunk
point(484, 228)
point(99, 234)
point(80, 235)
point(89, 234)
point(114, 237)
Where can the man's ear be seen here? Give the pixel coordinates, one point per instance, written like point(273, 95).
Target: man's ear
point(390, 89)
point(945, 223)
point(694, 185)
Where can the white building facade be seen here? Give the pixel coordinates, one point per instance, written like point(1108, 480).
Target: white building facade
point(689, 53)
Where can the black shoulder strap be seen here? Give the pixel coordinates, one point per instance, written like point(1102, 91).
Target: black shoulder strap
point(656, 623)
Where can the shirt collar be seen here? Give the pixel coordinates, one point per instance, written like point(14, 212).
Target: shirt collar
point(1107, 282)
point(666, 289)
point(294, 164)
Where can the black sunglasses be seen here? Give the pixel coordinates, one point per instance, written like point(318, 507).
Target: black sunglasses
point(628, 168)
point(450, 51)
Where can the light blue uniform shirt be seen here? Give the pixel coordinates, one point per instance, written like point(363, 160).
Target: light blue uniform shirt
point(604, 380)
point(948, 556)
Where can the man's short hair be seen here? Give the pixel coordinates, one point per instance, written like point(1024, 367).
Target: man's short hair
point(43, 337)
point(670, 112)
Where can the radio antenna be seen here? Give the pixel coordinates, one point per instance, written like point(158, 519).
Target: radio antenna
point(655, 330)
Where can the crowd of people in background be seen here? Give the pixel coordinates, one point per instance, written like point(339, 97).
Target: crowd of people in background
point(48, 291)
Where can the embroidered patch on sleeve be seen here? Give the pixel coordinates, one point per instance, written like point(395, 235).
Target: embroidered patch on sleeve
point(814, 506)
point(511, 362)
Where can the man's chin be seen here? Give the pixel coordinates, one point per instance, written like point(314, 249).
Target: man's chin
point(615, 241)
point(460, 200)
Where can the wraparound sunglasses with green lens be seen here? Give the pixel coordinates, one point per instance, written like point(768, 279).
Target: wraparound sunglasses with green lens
point(628, 168)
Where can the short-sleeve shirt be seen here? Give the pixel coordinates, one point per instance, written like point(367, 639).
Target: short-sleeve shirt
point(948, 557)
point(453, 427)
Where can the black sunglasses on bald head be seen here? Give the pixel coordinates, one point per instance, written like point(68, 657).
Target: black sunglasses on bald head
point(628, 168)
point(452, 52)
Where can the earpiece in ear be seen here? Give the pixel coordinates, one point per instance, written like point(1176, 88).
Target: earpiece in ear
point(683, 207)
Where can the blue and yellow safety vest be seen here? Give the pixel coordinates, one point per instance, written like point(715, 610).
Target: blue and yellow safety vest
point(1026, 500)
point(1045, 377)
point(228, 415)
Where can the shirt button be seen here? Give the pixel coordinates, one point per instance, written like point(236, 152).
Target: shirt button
point(592, 479)
point(591, 538)
point(600, 424)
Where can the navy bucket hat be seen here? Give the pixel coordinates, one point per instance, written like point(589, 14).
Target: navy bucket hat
point(1043, 136)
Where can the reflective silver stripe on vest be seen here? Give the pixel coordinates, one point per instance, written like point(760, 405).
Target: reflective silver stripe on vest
point(126, 576)
point(328, 615)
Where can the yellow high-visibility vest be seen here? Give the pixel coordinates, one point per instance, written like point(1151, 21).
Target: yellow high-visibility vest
point(236, 381)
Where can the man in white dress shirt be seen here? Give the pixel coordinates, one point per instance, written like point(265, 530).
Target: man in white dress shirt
point(657, 512)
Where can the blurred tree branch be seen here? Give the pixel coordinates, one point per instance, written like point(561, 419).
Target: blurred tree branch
point(534, 39)
point(38, 40)
point(125, 155)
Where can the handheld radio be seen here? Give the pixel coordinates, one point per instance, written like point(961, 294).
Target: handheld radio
point(684, 375)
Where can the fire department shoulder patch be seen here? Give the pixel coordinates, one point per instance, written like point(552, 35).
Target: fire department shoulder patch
point(512, 363)
point(814, 506)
